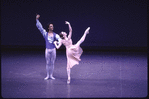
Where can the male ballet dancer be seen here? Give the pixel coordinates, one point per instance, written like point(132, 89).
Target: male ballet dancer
point(50, 51)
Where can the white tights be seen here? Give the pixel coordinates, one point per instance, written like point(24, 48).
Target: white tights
point(50, 56)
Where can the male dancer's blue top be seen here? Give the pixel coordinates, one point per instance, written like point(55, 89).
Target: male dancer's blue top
point(48, 39)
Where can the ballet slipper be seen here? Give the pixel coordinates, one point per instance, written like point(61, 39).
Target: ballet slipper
point(52, 77)
point(46, 78)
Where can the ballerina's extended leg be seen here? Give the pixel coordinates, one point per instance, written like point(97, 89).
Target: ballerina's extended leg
point(83, 37)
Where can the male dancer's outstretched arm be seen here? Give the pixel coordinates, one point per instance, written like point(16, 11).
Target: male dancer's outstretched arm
point(39, 26)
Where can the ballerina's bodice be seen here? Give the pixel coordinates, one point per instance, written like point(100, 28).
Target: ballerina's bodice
point(67, 43)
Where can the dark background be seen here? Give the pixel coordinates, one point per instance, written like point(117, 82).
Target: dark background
point(114, 23)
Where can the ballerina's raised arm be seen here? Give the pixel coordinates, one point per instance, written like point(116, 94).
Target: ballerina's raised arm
point(70, 29)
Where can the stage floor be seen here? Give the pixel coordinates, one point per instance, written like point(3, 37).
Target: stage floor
point(99, 75)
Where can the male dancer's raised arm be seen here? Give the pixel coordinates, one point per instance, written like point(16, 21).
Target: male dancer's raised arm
point(39, 26)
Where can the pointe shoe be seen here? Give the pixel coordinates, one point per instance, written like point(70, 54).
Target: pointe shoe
point(87, 30)
point(68, 81)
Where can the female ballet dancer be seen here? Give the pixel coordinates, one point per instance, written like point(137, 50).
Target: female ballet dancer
point(73, 52)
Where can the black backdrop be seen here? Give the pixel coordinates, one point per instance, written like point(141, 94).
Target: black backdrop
point(113, 23)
